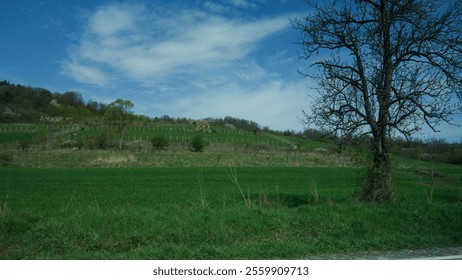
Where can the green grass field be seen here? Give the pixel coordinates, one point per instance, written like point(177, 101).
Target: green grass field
point(221, 212)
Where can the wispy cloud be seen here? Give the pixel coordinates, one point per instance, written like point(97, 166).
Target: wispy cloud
point(135, 42)
point(276, 104)
point(85, 74)
point(189, 61)
point(243, 4)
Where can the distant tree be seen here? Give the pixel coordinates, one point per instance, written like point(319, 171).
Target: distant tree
point(119, 114)
point(4, 83)
point(385, 67)
point(72, 98)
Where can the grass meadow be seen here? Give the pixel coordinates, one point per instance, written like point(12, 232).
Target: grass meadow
point(222, 212)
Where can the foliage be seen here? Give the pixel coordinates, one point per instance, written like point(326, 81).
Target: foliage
point(119, 113)
point(102, 140)
point(27, 104)
point(5, 160)
point(24, 144)
point(197, 143)
point(159, 142)
point(236, 122)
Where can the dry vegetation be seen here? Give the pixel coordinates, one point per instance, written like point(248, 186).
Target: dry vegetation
point(141, 154)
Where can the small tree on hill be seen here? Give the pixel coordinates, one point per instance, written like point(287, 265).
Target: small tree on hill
point(119, 114)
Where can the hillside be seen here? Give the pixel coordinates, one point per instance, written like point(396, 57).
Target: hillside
point(35, 117)
point(25, 104)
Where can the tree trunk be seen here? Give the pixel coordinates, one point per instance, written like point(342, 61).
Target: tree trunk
point(379, 187)
point(121, 138)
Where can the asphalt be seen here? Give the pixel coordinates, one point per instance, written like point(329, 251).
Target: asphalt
point(452, 253)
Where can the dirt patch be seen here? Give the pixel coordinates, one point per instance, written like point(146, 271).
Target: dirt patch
point(115, 159)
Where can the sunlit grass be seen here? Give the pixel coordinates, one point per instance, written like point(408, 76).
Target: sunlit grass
point(199, 213)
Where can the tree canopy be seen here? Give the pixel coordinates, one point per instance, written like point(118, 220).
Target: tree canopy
point(119, 113)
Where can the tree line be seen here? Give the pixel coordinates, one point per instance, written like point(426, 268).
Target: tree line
point(28, 104)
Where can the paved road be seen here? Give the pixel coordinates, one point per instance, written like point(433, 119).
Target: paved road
point(453, 253)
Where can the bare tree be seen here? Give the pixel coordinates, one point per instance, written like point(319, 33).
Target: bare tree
point(385, 67)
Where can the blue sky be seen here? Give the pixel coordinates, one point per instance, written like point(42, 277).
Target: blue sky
point(192, 58)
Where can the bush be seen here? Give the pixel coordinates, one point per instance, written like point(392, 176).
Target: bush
point(69, 144)
point(261, 147)
point(5, 160)
point(197, 143)
point(159, 142)
point(24, 144)
point(103, 139)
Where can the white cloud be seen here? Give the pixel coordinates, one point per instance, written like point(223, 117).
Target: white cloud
point(113, 19)
point(276, 104)
point(188, 63)
point(243, 4)
point(215, 7)
point(85, 74)
point(138, 44)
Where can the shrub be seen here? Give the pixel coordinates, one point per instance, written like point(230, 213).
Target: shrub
point(159, 142)
point(69, 144)
point(24, 144)
point(102, 139)
point(261, 147)
point(197, 143)
point(5, 160)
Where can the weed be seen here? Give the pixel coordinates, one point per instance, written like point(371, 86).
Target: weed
point(232, 175)
point(270, 200)
point(4, 209)
point(314, 191)
point(202, 197)
point(429, 188)
point(458, 190)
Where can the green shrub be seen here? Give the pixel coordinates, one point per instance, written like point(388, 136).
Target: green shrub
point(5, 160)
point(24, 144)
point(103, 139)
point(197, 143)
point(159, 142)
point(261, 147)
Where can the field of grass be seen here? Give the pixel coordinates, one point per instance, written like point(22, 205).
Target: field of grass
point(221, 212)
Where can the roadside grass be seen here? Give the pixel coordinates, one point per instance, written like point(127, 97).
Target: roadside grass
point(200, 213)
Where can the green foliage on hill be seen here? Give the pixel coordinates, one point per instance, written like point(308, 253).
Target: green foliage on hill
point(25, 104)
